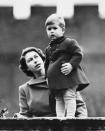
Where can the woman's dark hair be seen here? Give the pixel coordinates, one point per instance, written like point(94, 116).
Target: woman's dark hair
point(22, 62)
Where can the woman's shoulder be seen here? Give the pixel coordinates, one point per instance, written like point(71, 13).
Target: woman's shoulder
point(23, 86)
point(36, 82)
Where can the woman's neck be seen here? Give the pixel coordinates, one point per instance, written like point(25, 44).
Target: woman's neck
point(40, 74)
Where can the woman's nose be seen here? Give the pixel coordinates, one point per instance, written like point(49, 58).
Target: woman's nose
point(35, 61)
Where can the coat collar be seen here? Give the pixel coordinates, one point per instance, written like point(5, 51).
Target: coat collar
point(36, 81)
point(57, 41)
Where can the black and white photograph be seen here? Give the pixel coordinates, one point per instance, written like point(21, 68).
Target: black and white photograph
point(52, 65)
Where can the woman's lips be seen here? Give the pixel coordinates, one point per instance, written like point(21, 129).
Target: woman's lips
point(37, 66)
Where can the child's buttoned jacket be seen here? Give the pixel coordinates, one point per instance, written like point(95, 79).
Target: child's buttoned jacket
point(61, 51)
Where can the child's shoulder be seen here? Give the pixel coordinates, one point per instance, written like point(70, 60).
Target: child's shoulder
point(71, 41)
point(68, 39)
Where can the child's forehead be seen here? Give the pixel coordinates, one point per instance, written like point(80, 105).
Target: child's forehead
point(53, 23)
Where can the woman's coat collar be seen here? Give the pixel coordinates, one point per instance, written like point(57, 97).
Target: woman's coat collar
point(36, 81)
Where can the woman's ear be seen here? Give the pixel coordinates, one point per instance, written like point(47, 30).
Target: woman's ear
point(63, 29)
point(28, 68)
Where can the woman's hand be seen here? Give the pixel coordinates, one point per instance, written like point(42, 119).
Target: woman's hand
point(18, 115)
point(66, 68)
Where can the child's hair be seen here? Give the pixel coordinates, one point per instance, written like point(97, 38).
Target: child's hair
point(22, 62)
point(55, 19)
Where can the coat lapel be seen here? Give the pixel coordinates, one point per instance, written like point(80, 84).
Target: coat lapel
point(39, 81)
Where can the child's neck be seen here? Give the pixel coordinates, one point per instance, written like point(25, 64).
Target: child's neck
point(58, 40)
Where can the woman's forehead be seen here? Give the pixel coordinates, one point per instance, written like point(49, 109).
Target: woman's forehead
point(31, 53)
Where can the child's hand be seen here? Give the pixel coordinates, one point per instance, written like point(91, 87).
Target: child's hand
point(66, 68)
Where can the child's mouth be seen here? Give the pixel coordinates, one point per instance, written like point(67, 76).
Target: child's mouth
point(53, 37)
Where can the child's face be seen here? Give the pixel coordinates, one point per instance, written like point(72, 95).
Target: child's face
point(54, 31)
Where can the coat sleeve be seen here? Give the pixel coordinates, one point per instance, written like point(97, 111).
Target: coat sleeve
point(76, 53)
point(23, 102)
point(46, 64)
point(81, 110)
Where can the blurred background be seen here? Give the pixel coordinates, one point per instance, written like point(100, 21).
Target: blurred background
point(15, 34)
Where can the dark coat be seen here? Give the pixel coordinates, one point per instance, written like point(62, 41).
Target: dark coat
point(34, 99)
point(60, 51)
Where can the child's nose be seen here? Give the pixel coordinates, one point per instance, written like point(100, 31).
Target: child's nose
point(52, 30)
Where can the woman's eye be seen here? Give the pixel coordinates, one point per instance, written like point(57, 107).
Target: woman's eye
point(35, 56)
point(29, 60)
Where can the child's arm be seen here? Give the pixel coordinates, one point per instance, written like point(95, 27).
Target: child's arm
point(76, 52)
point(76, 56)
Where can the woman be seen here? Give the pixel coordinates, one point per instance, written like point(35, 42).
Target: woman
point(34, 97)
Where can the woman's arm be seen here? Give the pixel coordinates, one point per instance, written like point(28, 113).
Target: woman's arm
point(23, 102)
point(81, 110)
point(46, 63)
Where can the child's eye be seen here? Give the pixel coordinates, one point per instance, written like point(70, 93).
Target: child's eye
point(49, 28)
point(54, 28)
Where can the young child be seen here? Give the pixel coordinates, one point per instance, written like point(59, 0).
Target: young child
point(62, 66)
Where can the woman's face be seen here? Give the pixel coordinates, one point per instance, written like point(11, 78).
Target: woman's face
point(34, 62)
